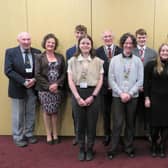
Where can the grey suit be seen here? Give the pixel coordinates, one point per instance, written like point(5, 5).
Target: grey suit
point(142, 115)
point(149, 54)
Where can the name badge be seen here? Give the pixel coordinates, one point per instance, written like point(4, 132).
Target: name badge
point(83, 85)
point(29, 70)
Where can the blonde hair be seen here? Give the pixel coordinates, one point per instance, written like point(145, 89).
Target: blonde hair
point(159, 64)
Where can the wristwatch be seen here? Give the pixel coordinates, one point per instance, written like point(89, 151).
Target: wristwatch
point(94, 96)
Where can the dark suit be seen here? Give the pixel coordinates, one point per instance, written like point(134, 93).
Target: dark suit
point(105, 92)
point(15, 71)
point(23, 99)
point(70, 52)
point(142, 115)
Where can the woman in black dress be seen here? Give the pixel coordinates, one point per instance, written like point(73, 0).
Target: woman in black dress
point(156, 98)
point(50, 75)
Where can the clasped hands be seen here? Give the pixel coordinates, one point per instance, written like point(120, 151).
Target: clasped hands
point(125, 97)
point(53, 88)
point(29, 82)
point(85, 102)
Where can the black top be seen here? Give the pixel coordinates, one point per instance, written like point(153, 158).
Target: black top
point(155, 83)
point(156, 87)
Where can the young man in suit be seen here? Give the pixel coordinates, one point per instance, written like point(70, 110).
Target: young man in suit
point(106, 52)
point(19, 68)
point(80, 30)
point(146, 54)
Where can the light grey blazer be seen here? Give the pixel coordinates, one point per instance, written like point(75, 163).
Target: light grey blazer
point(150, 54)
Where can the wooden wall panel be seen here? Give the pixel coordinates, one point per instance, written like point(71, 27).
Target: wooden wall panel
point(13, 21)
point(161, 24)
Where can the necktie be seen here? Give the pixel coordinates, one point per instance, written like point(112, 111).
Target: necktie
point(27, 60)
point(141, 54)
point(109, 53)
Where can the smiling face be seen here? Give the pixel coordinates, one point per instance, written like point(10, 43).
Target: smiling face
point(128, 46)
point(50, 44)
point(107, 38)
point(141, 39)
point(85, 45)
point(164, 52)
point(24, 40)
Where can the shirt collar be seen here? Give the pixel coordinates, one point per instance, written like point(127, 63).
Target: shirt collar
point(139, 47)
point(23, 50)
point(124, 56)
point(107, 47)
point(81, 58)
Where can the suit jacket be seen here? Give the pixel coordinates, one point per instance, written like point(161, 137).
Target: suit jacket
point(149, 54)
point(70, 52)
point(101, 53)
point(41, 72)
point(15, 71)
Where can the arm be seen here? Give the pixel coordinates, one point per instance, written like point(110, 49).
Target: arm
point(148, 83)
point(139, 82)
point(89, 100)
point(9, 70)
point(41, 80)
point(112, 78)
point(62, 72)
point(72, 86)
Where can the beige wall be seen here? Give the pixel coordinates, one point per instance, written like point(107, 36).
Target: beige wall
point(60, 17)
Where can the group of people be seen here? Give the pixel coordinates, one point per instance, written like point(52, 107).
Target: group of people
point(123, 81)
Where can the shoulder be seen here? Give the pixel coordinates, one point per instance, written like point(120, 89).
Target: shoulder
point(12, 50)
point(151, 63)
point(151, 50)
point(71, 49)
point(119, 49)
point(35, 50)
point(101, 48)
point(60, 56)
point(97, 59)
point(117, 57)
point(72, 60)
point(137, 59)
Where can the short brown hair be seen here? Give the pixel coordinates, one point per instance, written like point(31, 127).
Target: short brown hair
point(141, 32)
point(48, 36)
point(81, 28)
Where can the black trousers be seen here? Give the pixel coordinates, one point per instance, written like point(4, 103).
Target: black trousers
point(87, 118)
point(159, 131)
point(142, 113)
point(106, 109)
point(123, 113)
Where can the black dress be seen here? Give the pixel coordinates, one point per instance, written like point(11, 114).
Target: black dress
point(156, 88)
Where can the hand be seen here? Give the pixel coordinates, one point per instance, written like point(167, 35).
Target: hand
point(125, 97)
point(89, 100)
point(53, 88)
point(81, 102)
point(141, 89)
point(30, 82)
point(147, 103)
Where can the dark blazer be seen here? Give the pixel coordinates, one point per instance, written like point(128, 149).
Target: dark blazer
point(101, 53)
point(15, 71)
point(41, 72)
point(70, 52)
point(150, 54)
